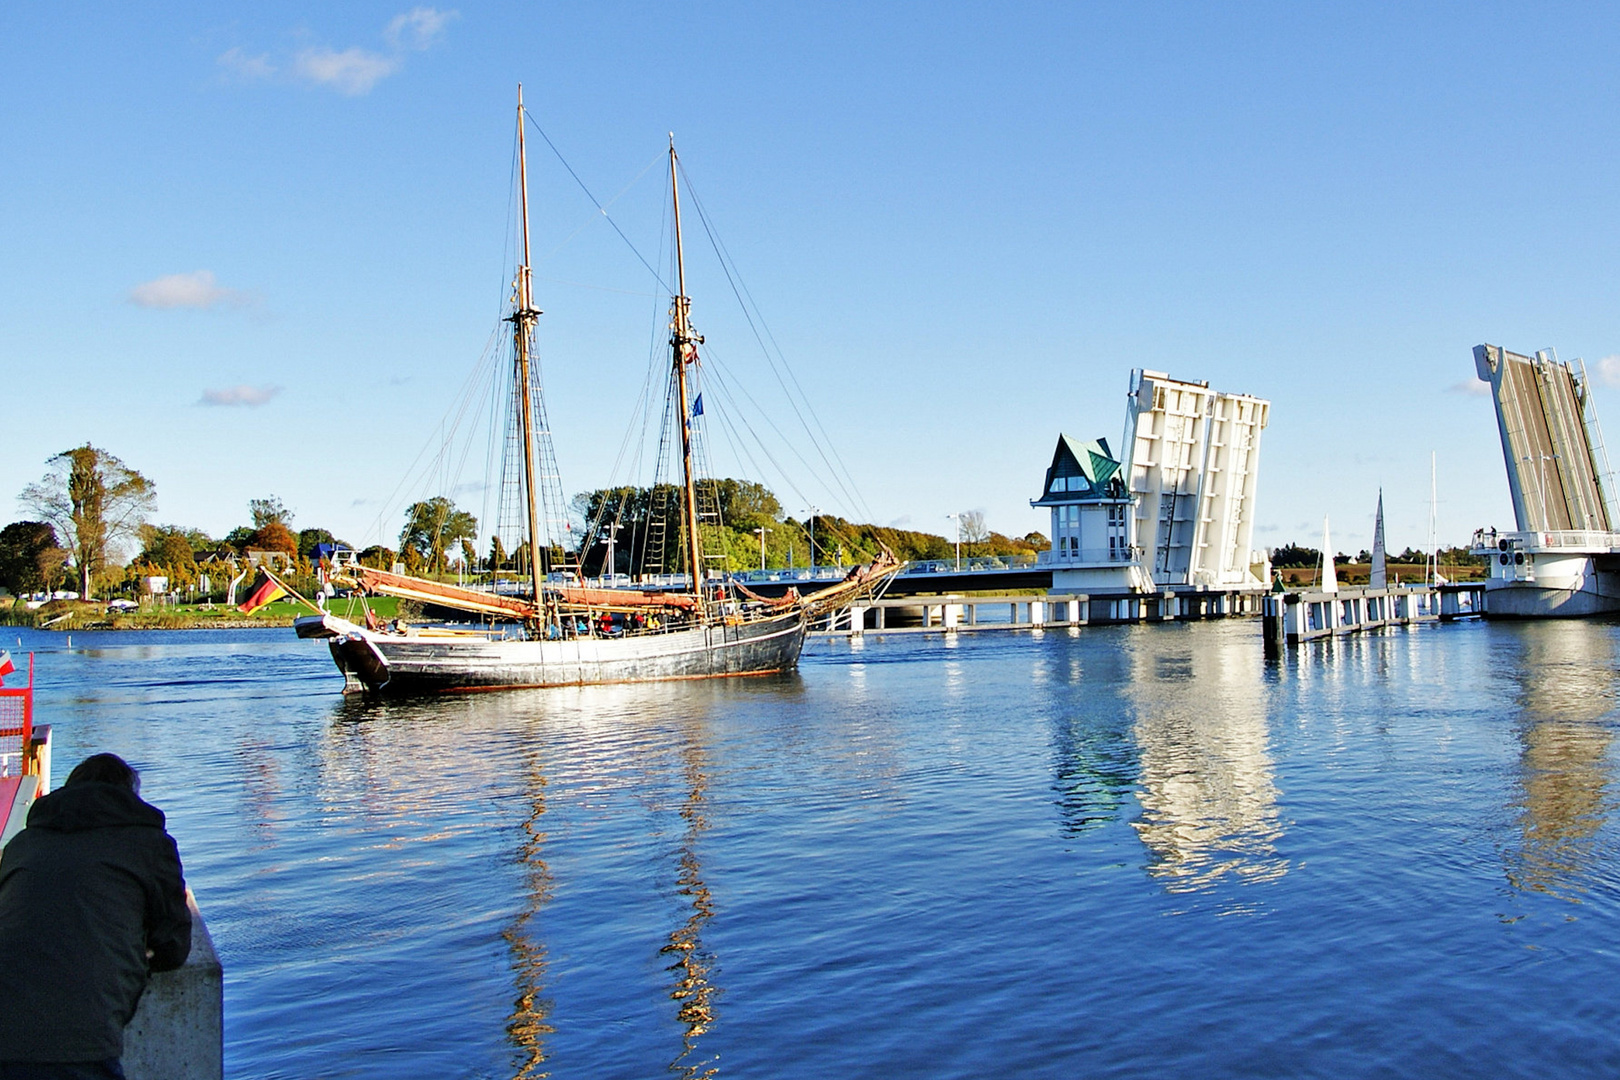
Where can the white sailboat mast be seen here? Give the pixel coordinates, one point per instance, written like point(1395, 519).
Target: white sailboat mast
point(523, 320)
point(683, 347)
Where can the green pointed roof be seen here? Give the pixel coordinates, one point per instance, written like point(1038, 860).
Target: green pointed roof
point(1081, 470)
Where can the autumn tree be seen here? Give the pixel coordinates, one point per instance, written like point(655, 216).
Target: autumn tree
point(30, 558)
point(433, 527)
point(274, 536)
point(167, 551)
point(94, 501)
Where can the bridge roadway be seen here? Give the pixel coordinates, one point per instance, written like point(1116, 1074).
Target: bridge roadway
point(919, 579)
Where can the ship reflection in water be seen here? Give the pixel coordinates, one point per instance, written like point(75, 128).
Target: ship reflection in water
point(530, 1021)
point(1206, 785)
point(694, 993)
point(1566, 696)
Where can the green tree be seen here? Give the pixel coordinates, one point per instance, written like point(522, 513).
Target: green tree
point(378, 557)
point(269, 510)
point(308, 538)
point(30, 558)
point(95, 501)
point(432, 528)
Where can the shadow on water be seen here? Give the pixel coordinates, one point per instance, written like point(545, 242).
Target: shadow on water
point(1209, 800)
point(1566, 692)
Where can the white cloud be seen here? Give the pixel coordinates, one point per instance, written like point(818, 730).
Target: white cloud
point(353, 71)
point(1471, 387)
point(245, 67)
point(418, 28)
point(1607, 371)
point(194, 290)
point(249, 396)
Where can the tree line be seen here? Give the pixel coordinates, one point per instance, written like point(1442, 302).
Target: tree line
point(90, 509)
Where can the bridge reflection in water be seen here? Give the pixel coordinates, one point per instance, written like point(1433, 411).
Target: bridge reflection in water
point(1566, 697)
point(1208, 794)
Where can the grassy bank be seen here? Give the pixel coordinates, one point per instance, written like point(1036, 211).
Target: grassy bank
point(1359, 573)
point(71, 615)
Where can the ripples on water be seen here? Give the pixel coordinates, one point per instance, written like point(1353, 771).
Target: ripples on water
point(1134, 851)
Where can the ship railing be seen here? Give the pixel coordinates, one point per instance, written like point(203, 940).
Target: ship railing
point(17, 726)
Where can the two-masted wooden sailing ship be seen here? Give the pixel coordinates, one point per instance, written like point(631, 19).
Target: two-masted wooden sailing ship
point(570, 634)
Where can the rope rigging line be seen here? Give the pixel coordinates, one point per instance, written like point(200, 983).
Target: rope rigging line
point(594, 201)
point(412, 475)
point(733, 274)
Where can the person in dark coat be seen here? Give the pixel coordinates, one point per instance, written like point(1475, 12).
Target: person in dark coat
point(91, 900)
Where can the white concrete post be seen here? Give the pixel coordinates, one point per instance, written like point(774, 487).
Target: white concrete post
point(179, 1027)
point(1037, 613)
point(857, 620)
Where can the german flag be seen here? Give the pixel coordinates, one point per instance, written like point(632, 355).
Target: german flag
point(270, 589)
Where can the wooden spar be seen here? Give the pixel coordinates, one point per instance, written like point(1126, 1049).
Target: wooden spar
point(684, 347)
point(523, 320)
point(621, 598)
point(433, 592)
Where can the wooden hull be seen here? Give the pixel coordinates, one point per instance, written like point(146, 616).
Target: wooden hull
point(392, 664)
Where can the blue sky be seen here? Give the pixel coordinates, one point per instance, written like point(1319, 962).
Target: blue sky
point(963, 224)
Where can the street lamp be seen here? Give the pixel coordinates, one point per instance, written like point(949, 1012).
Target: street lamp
point(958, 519)
point(761, 531)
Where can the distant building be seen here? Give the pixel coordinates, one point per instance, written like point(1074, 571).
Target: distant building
point(1092, 544)
point(274, 560)
point(1179, 511)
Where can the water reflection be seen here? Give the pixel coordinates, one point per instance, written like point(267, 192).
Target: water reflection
point(1565, 675)
point(1209, 801)
point(694, 992)
point(1094, 756)
point(530, 1020)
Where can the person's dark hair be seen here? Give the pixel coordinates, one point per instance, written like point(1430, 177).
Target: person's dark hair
point(105, 769)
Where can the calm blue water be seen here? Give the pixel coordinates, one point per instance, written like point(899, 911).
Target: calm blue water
point(1130, 852)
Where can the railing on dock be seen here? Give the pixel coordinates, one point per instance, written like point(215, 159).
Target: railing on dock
point(1293, 617)
point(950, 613)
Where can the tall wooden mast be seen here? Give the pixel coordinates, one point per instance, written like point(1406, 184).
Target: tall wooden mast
point(523, 320)
point(683, 348)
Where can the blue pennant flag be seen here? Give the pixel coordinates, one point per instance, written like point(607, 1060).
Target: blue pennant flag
point(697, 407)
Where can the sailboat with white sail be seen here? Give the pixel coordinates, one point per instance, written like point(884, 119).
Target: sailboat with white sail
point(567, 633)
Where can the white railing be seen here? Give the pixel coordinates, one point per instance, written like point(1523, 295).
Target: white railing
point(1489, 541)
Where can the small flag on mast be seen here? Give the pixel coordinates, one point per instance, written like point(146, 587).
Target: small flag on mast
point(697, 406)
point(270, 589)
